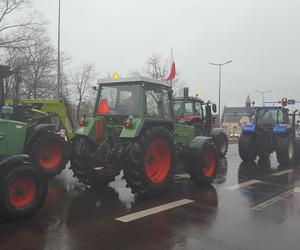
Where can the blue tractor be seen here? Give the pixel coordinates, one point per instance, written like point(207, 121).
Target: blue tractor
point(271, 129)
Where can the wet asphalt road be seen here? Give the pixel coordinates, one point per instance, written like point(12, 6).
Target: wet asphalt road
point(250, 206)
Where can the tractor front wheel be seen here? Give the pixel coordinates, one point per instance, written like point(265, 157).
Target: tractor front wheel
point(149, 165)
point(203, 167)
point(285, 151)
point(247, 149)
point(50, 152)
point(221, 142)
point(22, 192)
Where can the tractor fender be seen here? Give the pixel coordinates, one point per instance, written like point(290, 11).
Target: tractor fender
point(35, 131)
point(282, 128)
point(216, 131)
point(249, 128)
point(199, 141)
point(12, 161)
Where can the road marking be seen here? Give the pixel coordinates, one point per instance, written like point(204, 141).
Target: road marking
point(273, 200)
point(243, 184)
point(297, 189)
point(181, 176)
point(154, 210)
point(283, 172)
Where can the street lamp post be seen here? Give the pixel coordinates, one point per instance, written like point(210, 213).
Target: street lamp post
point(263, 94)
point(220, 73)
point(59, 87)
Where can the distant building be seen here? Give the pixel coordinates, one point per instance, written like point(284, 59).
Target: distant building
point(236, 117)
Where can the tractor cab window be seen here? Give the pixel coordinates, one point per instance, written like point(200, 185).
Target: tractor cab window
point(178, 108)
point(153, 96)
point(266, 117)
point(188, 108)
point(283, 116)
point(119, 100)
point(167, 104)
point(199, 109)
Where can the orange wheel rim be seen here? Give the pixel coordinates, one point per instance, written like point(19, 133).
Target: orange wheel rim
point(50, 155)
point(22, 192)
point(210, 163)
point(157, 161)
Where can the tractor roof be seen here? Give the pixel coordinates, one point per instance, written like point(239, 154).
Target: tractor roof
point(136, 80)
point(190, 98)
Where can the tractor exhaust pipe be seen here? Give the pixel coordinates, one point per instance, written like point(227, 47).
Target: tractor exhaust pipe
point(186, 93)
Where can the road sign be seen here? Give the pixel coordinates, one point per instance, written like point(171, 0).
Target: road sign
point(291, 101)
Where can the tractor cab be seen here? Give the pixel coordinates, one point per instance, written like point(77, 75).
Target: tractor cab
point(125, 105)
point(193, 110)
point(269, 118)
point(189, 109)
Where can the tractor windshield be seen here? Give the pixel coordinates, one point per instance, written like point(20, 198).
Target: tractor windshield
point(270, 117)
point(182, 108)
point(119, 100)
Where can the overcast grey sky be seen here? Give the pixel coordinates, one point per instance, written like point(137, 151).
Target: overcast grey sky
point(262, 37)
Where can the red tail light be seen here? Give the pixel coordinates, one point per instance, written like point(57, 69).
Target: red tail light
point(82, 123)
point(128, 124)
point(103, 108)
point(99, 130)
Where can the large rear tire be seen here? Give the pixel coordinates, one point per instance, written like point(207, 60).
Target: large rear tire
point(50, 152)
point(247, 149)
point(297, 150)
point(23, 190)
point(150, 161)
point(202, 167)
point(87, 172)
point(285, 151)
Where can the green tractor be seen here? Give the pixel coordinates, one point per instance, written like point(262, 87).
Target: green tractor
point(23, 186)
point(195, 112)
point(133, 129)
point(44, 143)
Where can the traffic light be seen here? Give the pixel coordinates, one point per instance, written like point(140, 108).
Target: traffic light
point(284, 101)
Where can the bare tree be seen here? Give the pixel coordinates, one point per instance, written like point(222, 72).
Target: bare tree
point(157, 67)
point(37, 62)
point(82, 80)
point(16, 32)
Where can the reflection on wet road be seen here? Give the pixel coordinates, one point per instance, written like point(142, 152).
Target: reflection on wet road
point(249, 206)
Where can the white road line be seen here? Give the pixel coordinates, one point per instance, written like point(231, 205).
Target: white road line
point(154, 210)
point(283, 172)
point(243, 184)
point(297, 189)
point(273, 200)
point(181, 176)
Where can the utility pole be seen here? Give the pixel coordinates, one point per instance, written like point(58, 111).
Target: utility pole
point(263, 92)
point(59, 87)
point(220, 74)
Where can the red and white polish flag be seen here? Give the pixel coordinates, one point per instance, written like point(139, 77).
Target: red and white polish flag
point(172, 69)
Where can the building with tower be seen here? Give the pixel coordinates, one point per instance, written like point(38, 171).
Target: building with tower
point(235, 117)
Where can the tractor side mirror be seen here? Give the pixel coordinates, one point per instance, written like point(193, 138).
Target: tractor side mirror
point(186, 93)
point(214, 107)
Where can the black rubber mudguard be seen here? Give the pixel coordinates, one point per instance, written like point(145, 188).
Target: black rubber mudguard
point(36, 130)
point(199, 141)
point(13, 160)
point(216, 131)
